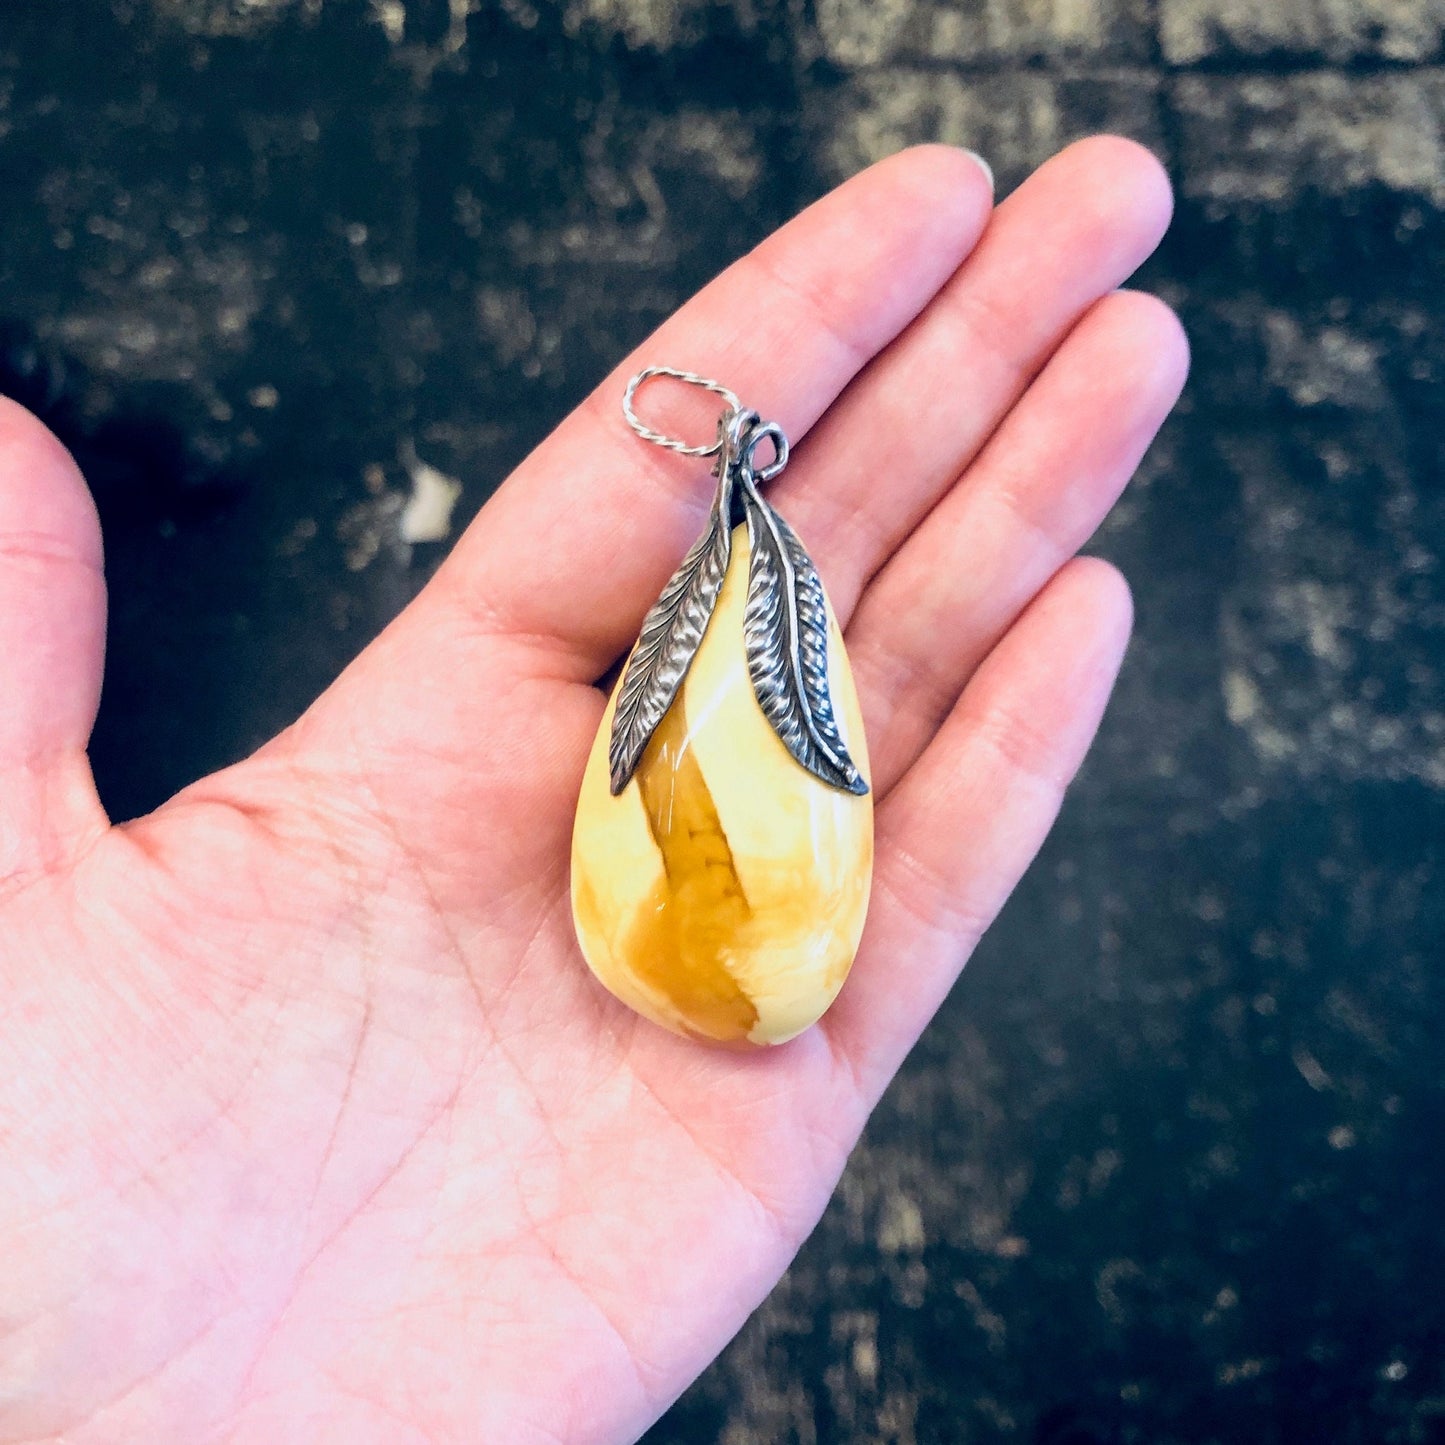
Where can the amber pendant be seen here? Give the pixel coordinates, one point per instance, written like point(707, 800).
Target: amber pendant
point(723, 847)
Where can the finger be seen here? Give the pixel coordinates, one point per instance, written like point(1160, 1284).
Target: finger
point(553, 578)
point(1040, 488)
point(902, 434)
point(578, 542)
point(52, 645)
point(957, 833)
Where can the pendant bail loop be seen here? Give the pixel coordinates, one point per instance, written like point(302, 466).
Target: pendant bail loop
point(761, 432)
point(661, 439)
point(739, 434)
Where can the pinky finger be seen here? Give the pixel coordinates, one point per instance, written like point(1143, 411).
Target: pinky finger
point(52, 646)
point(958, 831)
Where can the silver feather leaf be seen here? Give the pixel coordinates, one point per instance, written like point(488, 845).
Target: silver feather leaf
point(786, 629)
point(671, 633)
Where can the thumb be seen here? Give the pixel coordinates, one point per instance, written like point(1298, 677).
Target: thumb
point(52, 649)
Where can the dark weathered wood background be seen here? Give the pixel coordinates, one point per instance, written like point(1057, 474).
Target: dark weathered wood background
point(1168, 1168)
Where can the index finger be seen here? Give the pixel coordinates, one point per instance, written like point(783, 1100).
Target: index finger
point(578, 542)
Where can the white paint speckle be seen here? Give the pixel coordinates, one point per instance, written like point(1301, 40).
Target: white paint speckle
point(427, 515)
point(391, 16)
point(1310, 1069)
point(865, 1360)
point(901, 1228)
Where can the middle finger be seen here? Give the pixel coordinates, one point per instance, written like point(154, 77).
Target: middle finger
point(908, 426)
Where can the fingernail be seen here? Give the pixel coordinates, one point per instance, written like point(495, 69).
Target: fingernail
point(984, 166)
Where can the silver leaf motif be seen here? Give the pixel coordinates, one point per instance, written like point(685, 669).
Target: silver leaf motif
point(671, 633)
point(786, 629)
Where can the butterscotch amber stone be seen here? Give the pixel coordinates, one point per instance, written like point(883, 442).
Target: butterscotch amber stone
point(722, 892)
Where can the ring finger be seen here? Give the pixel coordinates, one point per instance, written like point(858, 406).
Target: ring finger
point(1035, 495)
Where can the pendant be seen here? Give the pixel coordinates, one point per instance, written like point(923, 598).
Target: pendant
point(723, 848)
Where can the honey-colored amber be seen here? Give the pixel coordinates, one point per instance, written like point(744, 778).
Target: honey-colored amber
point(722, 892)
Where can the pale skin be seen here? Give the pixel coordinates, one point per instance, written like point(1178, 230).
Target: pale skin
point(314, 1125)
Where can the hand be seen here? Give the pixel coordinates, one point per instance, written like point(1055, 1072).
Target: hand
point(315, 1126)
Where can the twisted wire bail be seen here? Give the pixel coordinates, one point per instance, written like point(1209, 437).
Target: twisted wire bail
point(660, 439)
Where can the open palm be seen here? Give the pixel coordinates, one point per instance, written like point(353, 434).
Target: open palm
point(315, 1126)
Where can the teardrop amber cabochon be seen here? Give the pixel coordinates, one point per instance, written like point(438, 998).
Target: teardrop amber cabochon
point(722, 893)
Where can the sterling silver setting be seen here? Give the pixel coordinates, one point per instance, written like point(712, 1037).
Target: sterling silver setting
point(785, 629)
